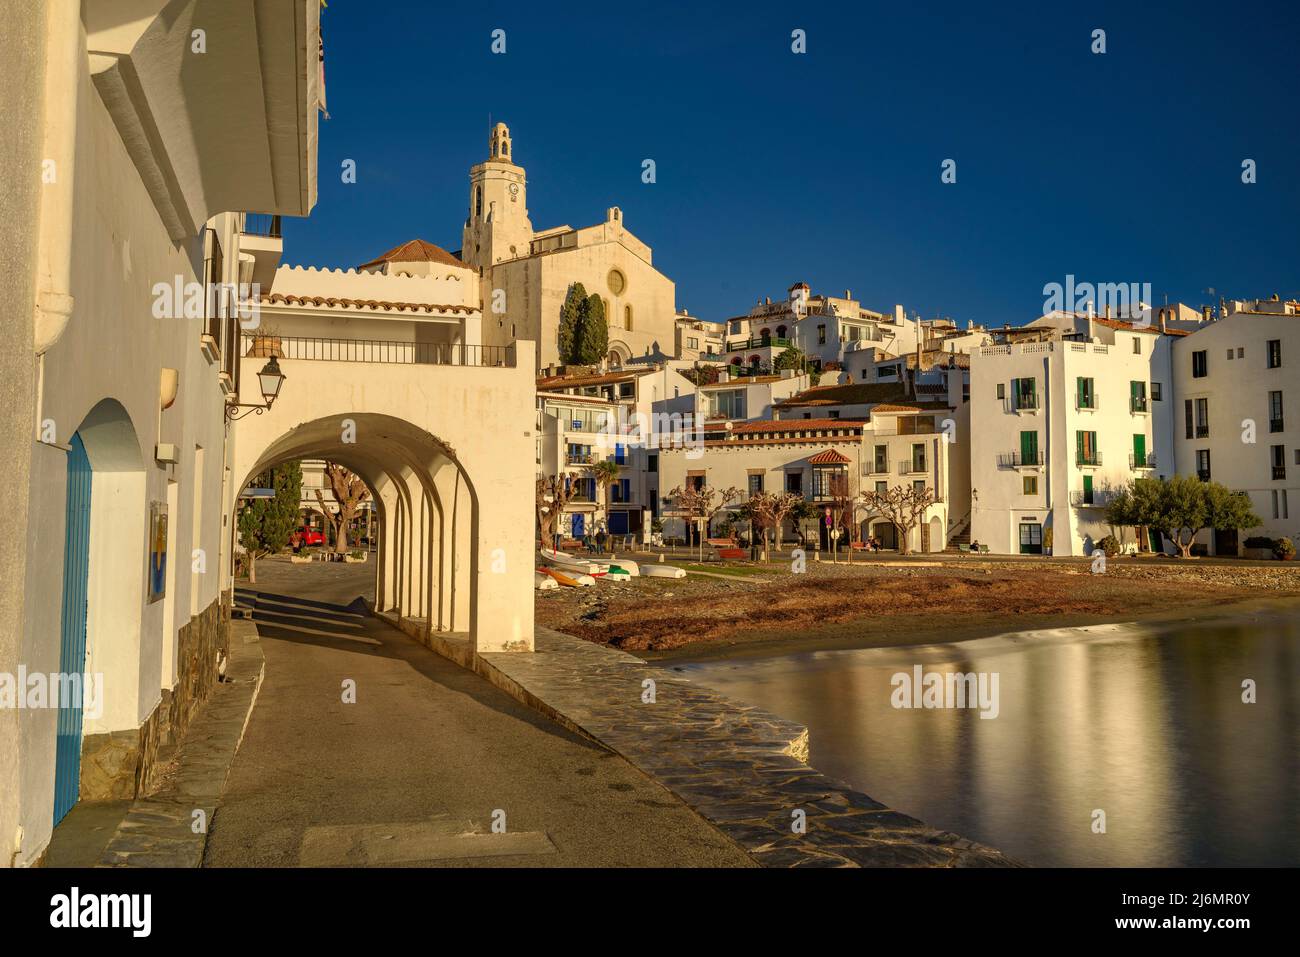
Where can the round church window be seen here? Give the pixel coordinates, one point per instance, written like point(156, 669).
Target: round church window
point(617, 282)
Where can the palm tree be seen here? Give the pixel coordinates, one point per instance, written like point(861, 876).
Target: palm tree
point(605, 473)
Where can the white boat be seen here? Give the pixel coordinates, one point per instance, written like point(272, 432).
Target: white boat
point(662, 571)
point(542, 582)
point(616, 574)
point(573, 563)
point(629, 566)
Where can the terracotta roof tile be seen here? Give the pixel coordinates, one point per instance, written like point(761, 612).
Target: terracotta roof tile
point(417, 251)
point(281, 299)
point(830, 457)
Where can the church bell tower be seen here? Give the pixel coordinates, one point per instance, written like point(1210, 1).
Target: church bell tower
point(497, 228)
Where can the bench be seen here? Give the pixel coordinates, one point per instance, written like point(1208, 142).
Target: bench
point(963, 548)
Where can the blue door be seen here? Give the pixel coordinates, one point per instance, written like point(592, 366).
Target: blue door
point(578, 525)
point(618, 523)
point(72, 646)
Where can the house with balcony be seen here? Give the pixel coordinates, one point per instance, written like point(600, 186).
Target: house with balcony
point(822, 460)
point(1237, 413)
point(1058, 426)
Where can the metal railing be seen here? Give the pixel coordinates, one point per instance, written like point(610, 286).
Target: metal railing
point(1088, 458)
point(1275, 425)
point(1279, 473)
point(759, 343)
point(376, 350)
point(909, 467)
point(1137, 404)
point(1097, 498)
point(1148, 462)
point(1015, 460)
point(1087, 403)
point(261, 224)
point(1203, 474)
point(1022, 402)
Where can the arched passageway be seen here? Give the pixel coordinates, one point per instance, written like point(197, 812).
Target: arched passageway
point(453, 503)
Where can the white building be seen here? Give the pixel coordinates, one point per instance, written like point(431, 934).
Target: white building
point(1237, 413)
point(117, 557)
point(1056, 427)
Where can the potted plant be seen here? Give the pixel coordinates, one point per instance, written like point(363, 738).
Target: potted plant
point(1284, 549)
point(266, 343)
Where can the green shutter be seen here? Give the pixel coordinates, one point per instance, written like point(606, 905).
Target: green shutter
point(1139, 450)
point(1028, 447)
point(1078, 446)
point(1087, 489)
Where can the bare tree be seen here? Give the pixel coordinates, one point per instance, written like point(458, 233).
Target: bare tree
point(904, 505)
point(843, 510)
point(704, 503)
point(349, 493)
point(553, 494)
point(769, 510)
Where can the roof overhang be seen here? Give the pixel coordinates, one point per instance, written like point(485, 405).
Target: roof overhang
point(215, 100)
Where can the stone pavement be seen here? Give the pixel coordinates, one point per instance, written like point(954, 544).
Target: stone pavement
point(169, 828)
point(740, 768)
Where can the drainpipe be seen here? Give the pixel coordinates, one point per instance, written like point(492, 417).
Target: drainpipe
point(54, 233)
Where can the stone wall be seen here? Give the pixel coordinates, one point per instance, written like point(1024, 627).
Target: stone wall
point(121, 765)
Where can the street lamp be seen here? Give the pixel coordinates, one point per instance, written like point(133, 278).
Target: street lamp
point(270, 379)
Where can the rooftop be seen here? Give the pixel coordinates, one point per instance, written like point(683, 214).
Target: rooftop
point(416, 251)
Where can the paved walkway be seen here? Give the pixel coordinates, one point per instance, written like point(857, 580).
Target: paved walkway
point(415, 771)
point(741, 768)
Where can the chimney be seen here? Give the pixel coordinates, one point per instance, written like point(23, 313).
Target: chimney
point(724, 376)
point(1092, 327)
point(848, 293)
point(1205, 313)
point(1107, 310)
point(1163, 315)
point(899, 315)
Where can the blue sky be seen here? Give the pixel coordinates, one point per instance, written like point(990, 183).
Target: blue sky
point(774, 167)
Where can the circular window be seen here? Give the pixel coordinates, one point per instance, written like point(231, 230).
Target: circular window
point(617, 282)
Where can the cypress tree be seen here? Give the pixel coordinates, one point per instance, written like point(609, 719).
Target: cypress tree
point(571, 321)
point(593, 332)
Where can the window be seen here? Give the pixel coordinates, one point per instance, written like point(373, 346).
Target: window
point(1229, 354)
point(918, 456)
point(919, 486)
point(1199, 368)
point(1084, 394)
point(1137, 396)
point(1031, 485)
point(1203, 464)
point(1137, 346)
point(1029, 448)
point(864, 374)
point(1085, 446)
point(729, 404)
point(1024, 393)
point(882, 488)
point(652, 462)
point(1031, 538)
point(627, 318)
point(880, 460)
point(692, 343)
point(617, 282)
point(1241, 352)
point(1275, 412)
point(620, 455)
point(1155, 392)
point(1274, 353)
point(1278, 454)
point(1002, 391)
point(794, 482)
point(834, 414)
point(821, 334)
point(1187, 416)
point(755, 484)
point(1202, 418)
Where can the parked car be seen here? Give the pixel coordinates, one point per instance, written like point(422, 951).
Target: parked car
point(310, 536)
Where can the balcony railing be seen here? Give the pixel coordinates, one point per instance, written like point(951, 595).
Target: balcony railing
point(759, 343)
point(1137, 403)
point(1202, 431)
point(261, 224)
point(1088, 459)
point(1087, 403)
point(1279, 472)
point(875, 468)
point(1147, 462)
point(581, 458)
point(1203, 474)
point(1275, 425)
point(376, 350)
point(906, 467)
point(1022, 402)
point(1016, 460)
point(1097, 498)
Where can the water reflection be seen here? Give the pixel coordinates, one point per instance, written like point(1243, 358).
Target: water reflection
point(1146, 725)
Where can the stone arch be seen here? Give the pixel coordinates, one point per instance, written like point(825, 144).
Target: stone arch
point(619, 353)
